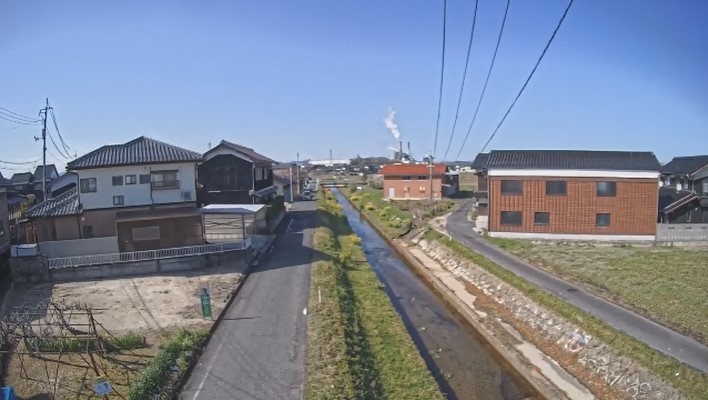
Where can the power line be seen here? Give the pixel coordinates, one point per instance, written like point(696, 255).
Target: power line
point(57, 147)
point(5, 117)
point(442, 77)
point(20, 163)
point(486, 81)
point(61, 139)
point(464, 77)
point(15, 115)
point(545, 49)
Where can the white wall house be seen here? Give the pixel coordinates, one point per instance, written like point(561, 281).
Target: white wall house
point(142, 172)
point(137, 185)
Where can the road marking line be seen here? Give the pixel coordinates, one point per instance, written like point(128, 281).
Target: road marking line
point(287, 230)
point(206, 373)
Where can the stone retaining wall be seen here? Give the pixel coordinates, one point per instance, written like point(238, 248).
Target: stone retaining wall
point(619, 373)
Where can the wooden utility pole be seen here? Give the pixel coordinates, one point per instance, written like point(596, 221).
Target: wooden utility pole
point(297, 171)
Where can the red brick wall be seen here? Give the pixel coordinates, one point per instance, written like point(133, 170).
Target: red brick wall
point(412, 188)
point(633, 211)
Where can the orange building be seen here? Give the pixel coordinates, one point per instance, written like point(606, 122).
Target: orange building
point(412, 181)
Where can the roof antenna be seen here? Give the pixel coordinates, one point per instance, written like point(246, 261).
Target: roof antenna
point(209, 144)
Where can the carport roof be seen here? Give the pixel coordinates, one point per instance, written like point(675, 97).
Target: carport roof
point(232, 208)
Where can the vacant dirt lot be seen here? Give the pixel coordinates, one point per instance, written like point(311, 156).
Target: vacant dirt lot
point(152, 306)
point(667, 284)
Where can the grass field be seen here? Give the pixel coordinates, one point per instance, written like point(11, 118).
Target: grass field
point(669, 285)
point(692, 383)
point(396, 218)
point(358, 347)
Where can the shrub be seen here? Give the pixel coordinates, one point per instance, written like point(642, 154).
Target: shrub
point(370, 206)
point(130, 340)
point(158, 380)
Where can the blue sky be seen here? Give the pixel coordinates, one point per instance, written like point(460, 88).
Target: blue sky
point(306, 76)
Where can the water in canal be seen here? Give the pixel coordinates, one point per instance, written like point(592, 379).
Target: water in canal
point(463, 367)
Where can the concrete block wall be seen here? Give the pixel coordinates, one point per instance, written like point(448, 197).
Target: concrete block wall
point(29, 269)
point(682, 233)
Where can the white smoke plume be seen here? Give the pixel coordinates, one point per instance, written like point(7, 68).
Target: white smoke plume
point(391, 125)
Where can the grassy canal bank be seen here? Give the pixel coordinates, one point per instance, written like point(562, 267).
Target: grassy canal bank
point(358, 346)
point(692, 383)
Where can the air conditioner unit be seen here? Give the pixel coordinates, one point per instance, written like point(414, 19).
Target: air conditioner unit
point(187, 195)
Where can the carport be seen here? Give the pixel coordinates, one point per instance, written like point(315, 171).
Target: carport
point(231, 223)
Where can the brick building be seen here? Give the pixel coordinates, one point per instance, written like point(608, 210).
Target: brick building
point(412, 181)
point(565, 195)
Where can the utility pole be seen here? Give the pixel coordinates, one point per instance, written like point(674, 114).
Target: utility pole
point(297, 171)
point(291, 183)
point(430, 176)
point(44, 113)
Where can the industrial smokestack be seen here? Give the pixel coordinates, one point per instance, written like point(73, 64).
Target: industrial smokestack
point(400, 150)
point(409, 150)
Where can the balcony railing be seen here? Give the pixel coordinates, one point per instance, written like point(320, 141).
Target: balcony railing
point(158, 185)
point(176, 252)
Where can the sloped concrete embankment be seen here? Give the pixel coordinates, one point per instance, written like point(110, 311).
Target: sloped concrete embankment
point(597, 366)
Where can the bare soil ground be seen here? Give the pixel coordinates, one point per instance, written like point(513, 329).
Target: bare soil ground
point(153, 306)
point(667, 284)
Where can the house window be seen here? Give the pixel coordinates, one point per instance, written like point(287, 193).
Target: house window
point(86, 231)
point(131, 179)
point(118, 200)
point(556, 188)
point(602, 219)
point(606, 189)
point(511, 217)
point(512, 187)
point(146, 233)
point(541, 218)
point(422, 178)
point(118, 180)
point(704, 188)
point(144, 179)
point(88, 185)
point(406, 178)
point(165, 180)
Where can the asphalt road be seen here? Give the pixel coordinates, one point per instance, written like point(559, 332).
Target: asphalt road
point(656, 336)
point(258, 350)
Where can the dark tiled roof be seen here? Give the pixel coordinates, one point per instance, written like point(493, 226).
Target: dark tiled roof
point(4, 181)
point(573, 159)
point(685, 165)
point(21, 177)
point(138, 151)
point(412, 169)
point(47, 173)
point(65, 204)
point(480, 162)
point(246, 151)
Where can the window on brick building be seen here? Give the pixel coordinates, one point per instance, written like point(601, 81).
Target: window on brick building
point(541, 218)
point(511, 217)
point(602, 219)
point(512, 187)
point(606, 189)
point(556, 188)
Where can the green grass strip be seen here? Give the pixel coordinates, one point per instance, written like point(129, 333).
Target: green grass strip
point(358, 347)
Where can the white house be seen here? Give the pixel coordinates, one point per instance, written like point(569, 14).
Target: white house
point(143, 192)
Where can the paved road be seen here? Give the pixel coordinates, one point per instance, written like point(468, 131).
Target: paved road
point(258, 351)
point(659, 337)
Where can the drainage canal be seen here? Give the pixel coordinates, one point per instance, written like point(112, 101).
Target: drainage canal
point(463, 365)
